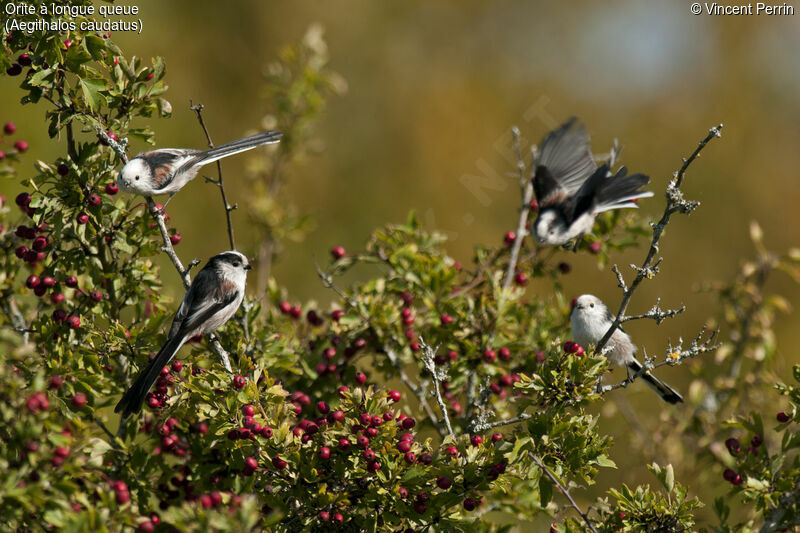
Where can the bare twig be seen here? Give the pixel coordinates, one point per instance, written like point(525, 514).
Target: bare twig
point(504, 422)
point(198, 110)
point(675, 203)
point(563, 490)
point(675, 355)
point(420, 391)
point(527, 195)
point(167, 248)
point(428, 355)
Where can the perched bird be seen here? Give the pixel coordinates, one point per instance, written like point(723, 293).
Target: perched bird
point(167, 170)
point(591, 319)
point(212, 299)
point(571, 190)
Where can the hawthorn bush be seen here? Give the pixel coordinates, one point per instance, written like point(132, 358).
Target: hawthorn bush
point(493, 421)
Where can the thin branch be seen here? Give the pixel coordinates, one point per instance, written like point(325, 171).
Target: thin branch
point(527, 195)
point(429, 354)
point(198, 110)
point(675, 202)
point(504, 422)
point(675, 355)
point(419, 391)
point(563, 490)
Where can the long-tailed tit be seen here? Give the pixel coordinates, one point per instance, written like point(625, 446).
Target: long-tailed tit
point(591, 319)
point(571, 190)
point(212, 299)
point(167, 170)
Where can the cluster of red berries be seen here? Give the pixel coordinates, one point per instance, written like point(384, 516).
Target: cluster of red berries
point(157, 398)
point(20, 146)
point(573, 347)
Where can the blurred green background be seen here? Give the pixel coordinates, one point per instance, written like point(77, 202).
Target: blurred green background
point(433, 90)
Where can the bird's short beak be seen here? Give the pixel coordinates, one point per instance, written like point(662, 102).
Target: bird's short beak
point(248, 267)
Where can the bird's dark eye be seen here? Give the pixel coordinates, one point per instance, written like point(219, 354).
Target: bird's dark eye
point(591, 304)
point(236, 263)
point(136, 178)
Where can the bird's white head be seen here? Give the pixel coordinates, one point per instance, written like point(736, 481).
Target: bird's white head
point(549, 228)
point(590, 307)
point(136, 177)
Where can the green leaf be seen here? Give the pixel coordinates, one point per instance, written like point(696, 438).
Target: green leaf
point(91, 92)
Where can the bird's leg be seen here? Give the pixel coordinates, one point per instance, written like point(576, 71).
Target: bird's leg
point(578, 240)
point(164, 207)
point(599, 388)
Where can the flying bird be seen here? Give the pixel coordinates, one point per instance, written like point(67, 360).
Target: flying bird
point(167, 170)
point(572, 190)
point(591, 319)
point(211, 300)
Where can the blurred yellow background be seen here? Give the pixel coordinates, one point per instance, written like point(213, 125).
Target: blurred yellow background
point(434, 88)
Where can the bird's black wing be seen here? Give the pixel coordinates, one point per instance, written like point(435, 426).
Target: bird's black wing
point(206, 296)
point(163, 163)
point(567, 155)
point(585, 198)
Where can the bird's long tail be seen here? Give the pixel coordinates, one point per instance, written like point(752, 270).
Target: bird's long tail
point(667, 393)
point(620, 191)
point(132, 400)
point(239, 145)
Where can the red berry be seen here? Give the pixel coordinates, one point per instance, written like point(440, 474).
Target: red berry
point(476, 440)
point(521, 279)
point(20, 251)
point(324, 516)
point(504, 354)
point(733, 446)
point(111, 189)
point(443, 482)
point(419, 507)
point(338, 252)
point(177, 366)
point(446, 319)
point(361, 378)
point(323, 407)
point(96, 296)
point(278, 463)
point(408, 423)
point(249, 410)
point(33, 281)
point(338, 415)
point(470, 504)
point(239, 381)
point(56, 381)
point(285, 307)
point(564, 267)
point(79, 400)
point(425, 458)
point(14, 70)
point(82, 218)
point(24, 60)
point(489, 355)
point(362, 441)
point(324, 452)
point(252, 463)
point(22, 146)
point(175, 238)
point(71, 281)
point(147, 526)
point(93, 200)
point(395, 396)
point(344, 444)
point(496, 437)
point(783, 417)
point(534, 205)
point(595, 247)
point(62, 169)
point(40, 243)
point(404, 446)
point(266, 432)
point(296, 311)
point(510, 237)
point(336, 315)
point(756, 441)
point(369, 455)
point(9, 128)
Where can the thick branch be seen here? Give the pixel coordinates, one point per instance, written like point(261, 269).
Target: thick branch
point(563, 490)
point(504, 422)
point(675, 202)
point(198, 110)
